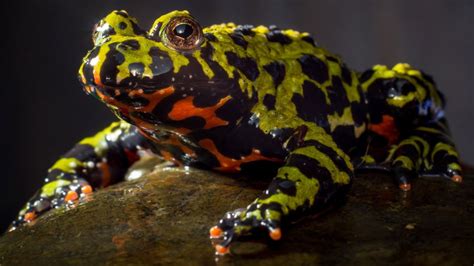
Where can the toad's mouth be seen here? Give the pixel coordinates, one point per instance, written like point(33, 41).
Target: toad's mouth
point(130, 99)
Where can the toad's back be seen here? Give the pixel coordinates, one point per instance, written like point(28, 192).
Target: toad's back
point(290, 79)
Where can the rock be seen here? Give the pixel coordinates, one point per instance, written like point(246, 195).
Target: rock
point(165, 217)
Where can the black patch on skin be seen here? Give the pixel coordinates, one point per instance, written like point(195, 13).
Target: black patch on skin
point(309, 40)
point(279, 37)
point(210, 37)
point(277, 71)
point(233, 109)
point(109, 70)
point(408, 150)
point(346, 75)
point(136, 69)
point(314, 68)
point(344, 137)
point(122, 25)
point(246, 65)
point(312, 106)
point(246, 30)
point(191, 80)
point(337, 95)
point(239, 39)
point(87, 69)
point(132, 138)
point(338, 161)
point(194, 122)
point(147, 117)
point(284, 186)
point(130, 44)
point(269, 101)
point(366, 75)
point(377, 101)
point(206, 54)
point(82, 152)
point(137, 30)
point(228, 136)
point(263, 170)
point(311, 168)
point(332, 58)
point(359, 113)
point(161, 63)
point(202, 100)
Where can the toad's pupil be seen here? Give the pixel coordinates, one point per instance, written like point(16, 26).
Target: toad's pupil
point(183, 30)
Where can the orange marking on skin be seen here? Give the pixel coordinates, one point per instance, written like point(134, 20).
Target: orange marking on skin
point(386, 129)
point(155, 98)
point(88, 89)
point(457, 178)
point(86, 189)
point(231, 164)
point(185, 108)
point(405, 187)
point(96, 74)
point(29, 216)
point(275, 234)
point(183, 131)
point(168, 156)
point(222, 250)
point(132, 156)
point(173, 140)
point(71, 195)
point(106, 175)
point(215, 232)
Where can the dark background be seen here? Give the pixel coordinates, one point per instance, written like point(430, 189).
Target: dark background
point(44, 111)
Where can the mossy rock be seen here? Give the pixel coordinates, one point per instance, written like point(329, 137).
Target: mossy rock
point(164, 218)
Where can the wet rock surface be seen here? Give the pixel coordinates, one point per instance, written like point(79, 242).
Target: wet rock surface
point(164, 218)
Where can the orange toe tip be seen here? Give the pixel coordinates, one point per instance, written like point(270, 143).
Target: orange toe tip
point(275, 234)
point(457, 178)
point(86, 189)
point(29, 216)
point(405, 187)
point(71, 195)
point(215, 232)
point(221, 250)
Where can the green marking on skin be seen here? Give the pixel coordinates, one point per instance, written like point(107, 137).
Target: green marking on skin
point(49, 189)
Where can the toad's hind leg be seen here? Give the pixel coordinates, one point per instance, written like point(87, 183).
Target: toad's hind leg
point(428, 151)
point(407, 110)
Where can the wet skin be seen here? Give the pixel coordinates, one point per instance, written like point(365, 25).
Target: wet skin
point(243, 98)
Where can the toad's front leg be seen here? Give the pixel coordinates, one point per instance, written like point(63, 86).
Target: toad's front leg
point(314, 172)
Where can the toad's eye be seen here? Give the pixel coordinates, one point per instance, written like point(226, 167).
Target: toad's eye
point(183, 34)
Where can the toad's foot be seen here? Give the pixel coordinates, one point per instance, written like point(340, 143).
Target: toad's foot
point(246, 222)
point(53, 194)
